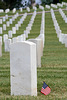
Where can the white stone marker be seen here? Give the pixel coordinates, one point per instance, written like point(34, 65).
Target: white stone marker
point(21, 9)
point(1, 10)
point(0, 49)
point(17, 27)
point(14, 10)
point(0, 21)
point(14, 30)
point(5, 37)
point(28, 9)
point(6, 16)
point(39, 49)
point(7, 45)
point(41, 36)
point(4, 19)
point(7, 10)
point(23, 70)
point(14, 40)
point(24, 37)
point(8, 23)
point(0, 30)
point(20, 38)
point(19, 23)
point(1, 39)
point(10, 34)
point(10, 20)
point(4, 27)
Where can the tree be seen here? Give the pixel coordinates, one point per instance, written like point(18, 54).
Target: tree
point(12, 3)
point(2, 5)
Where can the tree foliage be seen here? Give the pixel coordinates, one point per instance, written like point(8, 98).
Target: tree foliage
point(12, 3)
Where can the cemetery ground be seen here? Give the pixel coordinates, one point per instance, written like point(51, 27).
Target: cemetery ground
point(53, 62)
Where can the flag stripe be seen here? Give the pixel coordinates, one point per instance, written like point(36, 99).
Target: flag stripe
point(46, 91)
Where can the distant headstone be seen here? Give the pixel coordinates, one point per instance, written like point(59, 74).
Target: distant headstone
point(8, 23)
point(0, 30)
point(7, 45)
point(28, 9)
point(0, 49)
point(14, 10)
point(21, 9)
point(20, 38)
point(1, 10)
point(5, 37)
point(4, 19)
point(4, 27)
point(23, 70)
point(6, 16)
point(14, 30)
point(14, 40)
point(7, 10)
point(1, 39)
point(39, 49)
point(17, 26)
point(0, 21)
point(10, 20)
point(10, 34)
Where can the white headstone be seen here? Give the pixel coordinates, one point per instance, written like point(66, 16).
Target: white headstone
point(14, 30)
point(6, 16)
point(7, 10)
point(21, 9)
point(19, 23)
point(7, 45)
point(0, 30)
point(28, 9)
point(8, 23)
point(41, 36)
point(4, 19)
point(1, 39)
point(10, 20)
point(24, 37)
point(14, 40)
point(20, 38)
point(4, 27)
point(0, 49)
point(5, 37)
point(10, 34)
point(0, 21)
point(17, 27)
point(23, 70)
point(1, 10)
point(39, 49)
point(14, 10)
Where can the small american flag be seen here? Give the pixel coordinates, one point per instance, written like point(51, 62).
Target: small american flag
point(45, 89)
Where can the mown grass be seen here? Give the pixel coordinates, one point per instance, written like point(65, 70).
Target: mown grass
point(54, 64)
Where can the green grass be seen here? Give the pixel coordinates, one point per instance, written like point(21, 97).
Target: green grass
point(53, 62)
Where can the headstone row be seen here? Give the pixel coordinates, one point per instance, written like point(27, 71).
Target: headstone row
point(7, 22)
point(7, 37)
point(59, 5)
point(53, 5)
point(25, 56)
point(63, 15)
point(62, 37)
point(28, 28)
point(64, 3)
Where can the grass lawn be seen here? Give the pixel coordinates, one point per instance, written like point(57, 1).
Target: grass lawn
point(54, 63)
